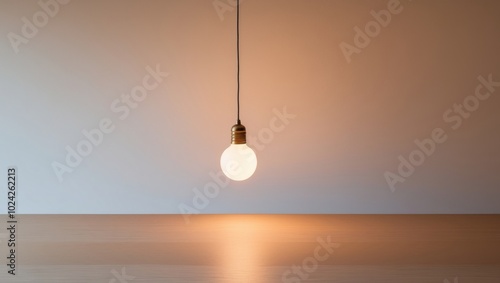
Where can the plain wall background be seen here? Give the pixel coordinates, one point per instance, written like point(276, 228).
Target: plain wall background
point(352, 120)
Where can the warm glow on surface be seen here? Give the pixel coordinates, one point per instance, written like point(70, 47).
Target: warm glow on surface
point(257, 248)
point(240, 253)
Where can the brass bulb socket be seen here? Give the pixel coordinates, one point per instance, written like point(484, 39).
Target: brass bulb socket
point(238, 134)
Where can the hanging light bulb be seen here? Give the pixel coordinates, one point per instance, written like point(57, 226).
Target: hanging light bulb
point(238, 161)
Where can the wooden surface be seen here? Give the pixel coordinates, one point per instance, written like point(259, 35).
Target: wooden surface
point(254, 248)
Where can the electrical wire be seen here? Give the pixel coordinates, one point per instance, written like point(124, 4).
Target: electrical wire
point(238, 58)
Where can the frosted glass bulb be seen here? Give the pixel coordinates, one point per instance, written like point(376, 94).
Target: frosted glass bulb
point(238, 162)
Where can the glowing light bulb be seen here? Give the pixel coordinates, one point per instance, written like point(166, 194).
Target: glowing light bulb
point(238, 161)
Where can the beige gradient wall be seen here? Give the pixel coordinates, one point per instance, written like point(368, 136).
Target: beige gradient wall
point(353, 115)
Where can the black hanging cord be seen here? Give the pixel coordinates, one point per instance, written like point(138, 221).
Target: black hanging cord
point(238, 57)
